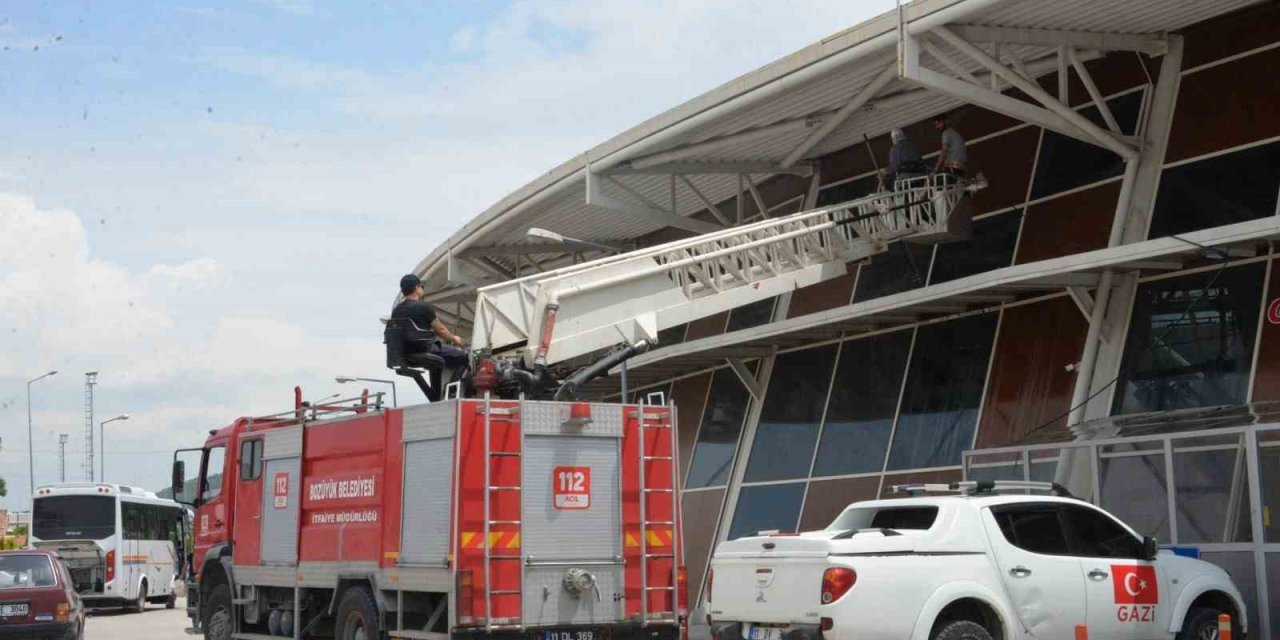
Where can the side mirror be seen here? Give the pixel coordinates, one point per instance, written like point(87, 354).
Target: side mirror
point(1149, 548)
point(178, 482)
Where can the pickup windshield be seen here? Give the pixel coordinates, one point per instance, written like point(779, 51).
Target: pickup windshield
point(917, 518)
point(74, 517)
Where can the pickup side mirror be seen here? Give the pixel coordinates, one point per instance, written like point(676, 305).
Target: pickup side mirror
point(1149, 548)
point(178, 482)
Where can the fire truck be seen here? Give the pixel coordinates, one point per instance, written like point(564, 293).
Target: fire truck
point(515, 510)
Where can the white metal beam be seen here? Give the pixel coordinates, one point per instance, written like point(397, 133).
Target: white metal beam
point(694, 168)
point(755, 195)
point(1150, 44)
point(998, 102)
point(1087, 80)
point(1102, 137)
point(744, 376)
point(706, 202)
point(947, 61)
point(653, 214)
point(829, 124)
point(714, 145)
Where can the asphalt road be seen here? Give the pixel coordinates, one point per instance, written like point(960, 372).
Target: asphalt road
point(156, 623)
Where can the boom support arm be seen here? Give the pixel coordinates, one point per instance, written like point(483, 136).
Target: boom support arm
point(628, 298)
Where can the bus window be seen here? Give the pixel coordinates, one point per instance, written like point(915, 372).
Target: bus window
point(212, 483)
point(74, 517)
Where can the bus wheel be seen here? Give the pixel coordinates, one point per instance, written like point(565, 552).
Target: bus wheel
point(140, 604)
point(217, 623)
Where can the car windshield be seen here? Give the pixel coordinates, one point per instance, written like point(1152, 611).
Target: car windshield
point(909, 518)
point(74, 517)
point(25, 572)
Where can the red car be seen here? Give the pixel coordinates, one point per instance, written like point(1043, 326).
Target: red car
point(37, 598)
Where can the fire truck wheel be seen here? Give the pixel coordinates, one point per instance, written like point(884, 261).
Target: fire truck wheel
point(357, 616)
point(217, 622)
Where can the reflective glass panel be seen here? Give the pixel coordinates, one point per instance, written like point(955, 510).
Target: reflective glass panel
point(1191, 341)
point(1066, 163)
point(944, 388)
point(864, 397)
point(727, 403)
point(751, 315)
point(1211, 492)
point(784, 440)
point(991, 248)
point(1221, 190)
point(1134, 490)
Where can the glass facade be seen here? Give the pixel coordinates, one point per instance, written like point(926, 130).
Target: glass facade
point(720, 429)
point(766, 508)
point(1066, 163)
point(901, 267)
point(1191, 341)
point(944, 388)
point(788, 428)
point(751, 315)
point(992, 246)
point(864, 400)
point(1216, 191)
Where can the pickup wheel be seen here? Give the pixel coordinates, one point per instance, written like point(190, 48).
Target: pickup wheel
point(217, 622)
point(357, 616)
point(962, 630)
point(1201, 623)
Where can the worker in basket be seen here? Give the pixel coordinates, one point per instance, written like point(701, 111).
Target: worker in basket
point(905, 162)
point(953, 157)
point(423, 315)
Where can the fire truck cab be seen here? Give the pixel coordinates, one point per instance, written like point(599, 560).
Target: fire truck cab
point(473, 517)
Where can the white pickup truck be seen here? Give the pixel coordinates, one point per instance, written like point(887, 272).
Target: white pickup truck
point(973, 564)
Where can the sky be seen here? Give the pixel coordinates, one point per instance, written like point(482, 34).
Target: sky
point(212, 203)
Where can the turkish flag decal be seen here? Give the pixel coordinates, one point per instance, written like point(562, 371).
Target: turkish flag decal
point(1135, 584)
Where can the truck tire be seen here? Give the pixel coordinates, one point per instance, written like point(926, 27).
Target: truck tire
point(357, 616)
point(218, 612)
point(962, 630)
point(1201, 623)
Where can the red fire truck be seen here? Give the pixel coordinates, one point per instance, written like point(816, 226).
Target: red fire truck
point(492, 515)
point(510, 518)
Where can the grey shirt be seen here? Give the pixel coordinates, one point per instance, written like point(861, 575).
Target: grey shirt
point(956, 151)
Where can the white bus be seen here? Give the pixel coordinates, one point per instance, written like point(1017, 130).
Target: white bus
point(122, 545)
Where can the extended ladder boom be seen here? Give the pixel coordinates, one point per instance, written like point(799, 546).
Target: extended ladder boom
point(557, 315)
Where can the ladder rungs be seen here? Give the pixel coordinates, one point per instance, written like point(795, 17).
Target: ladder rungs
point(657, 490)
point(505, 592)
point(503, 522)
point(657, 457)
point(659, 555)
point(659, 588)
point(506, 454)
point(502, 488)
point(653, 522)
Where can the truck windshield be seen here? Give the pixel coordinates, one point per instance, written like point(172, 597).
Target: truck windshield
point(918, 518)
point(74, 517)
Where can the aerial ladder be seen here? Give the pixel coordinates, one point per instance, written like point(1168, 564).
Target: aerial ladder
point(555, 316)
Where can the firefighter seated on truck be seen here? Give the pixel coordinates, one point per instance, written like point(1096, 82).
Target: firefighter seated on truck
point(424, 315)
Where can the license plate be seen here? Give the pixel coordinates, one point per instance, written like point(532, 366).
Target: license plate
point(573, 634)
point(765, 633)
point(13, 610)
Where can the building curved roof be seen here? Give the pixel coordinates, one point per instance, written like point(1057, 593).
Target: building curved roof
point(752, 125)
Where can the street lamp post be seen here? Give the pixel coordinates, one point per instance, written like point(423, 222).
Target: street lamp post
point(346, 379)
point(102, 437)
point(31, 452)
